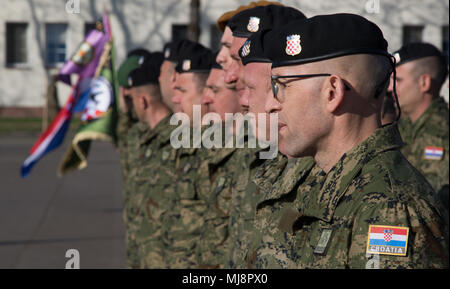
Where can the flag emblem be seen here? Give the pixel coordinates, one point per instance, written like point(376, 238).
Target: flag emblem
point(84, 54)
point(387, 240)
point(186, 65)
point(253, 24)
point(293, 46)
point(246, 48)
point(433, 153)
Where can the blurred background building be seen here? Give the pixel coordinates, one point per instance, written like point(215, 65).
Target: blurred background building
point(37, 36)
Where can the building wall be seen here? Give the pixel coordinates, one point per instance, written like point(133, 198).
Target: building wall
point(148, 23)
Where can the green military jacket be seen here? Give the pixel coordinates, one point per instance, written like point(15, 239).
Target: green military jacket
point(246, 195)
point(371, 210)
point(152, 186)
point(427, 144)
point(182, 224)
point(129, 147)
point(223, 166)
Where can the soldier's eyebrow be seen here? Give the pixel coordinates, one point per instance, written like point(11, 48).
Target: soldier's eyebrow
point(226, 44)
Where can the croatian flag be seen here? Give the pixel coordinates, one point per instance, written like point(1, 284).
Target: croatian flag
point(434, 153)
point(51, 138)
point(84, 63)
point(387, 240)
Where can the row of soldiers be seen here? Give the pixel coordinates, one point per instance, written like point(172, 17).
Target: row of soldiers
point(345, 189)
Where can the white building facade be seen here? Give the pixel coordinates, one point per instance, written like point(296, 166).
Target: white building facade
point(36, 36)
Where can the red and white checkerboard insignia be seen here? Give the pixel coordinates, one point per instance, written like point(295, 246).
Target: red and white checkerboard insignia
point(186, 65)
point(253, 24)
point(293, 46)
point(388, 235)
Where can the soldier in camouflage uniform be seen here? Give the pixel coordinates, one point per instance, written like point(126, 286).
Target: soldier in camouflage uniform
point(183, 222)
point(256, 78)
point(129, 130)
point(421, 72)
point(363, 205)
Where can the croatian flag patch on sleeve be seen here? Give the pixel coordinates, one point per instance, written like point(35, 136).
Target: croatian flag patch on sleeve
point(433, 153)
point(387, 240)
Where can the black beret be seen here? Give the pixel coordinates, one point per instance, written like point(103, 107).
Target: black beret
point(172, 49)
point(215, 64)
point(413, 51)
point(252, 49)
point(148, 72)
point(261, 18)
point(323, 37)
point(193, 57)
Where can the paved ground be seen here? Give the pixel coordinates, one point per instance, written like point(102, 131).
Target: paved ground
point(43, 216)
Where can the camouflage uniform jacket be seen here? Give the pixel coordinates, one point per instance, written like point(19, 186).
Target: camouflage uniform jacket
point(129, 156)
point(430, 130)
point(245, 197)
point(331, 216)
point(224, 165)
point(183, 222)
point(152, 186)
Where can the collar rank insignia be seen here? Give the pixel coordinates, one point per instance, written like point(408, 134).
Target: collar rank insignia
point(253, 24)
point(186, 65)
point(246, 48)
point(293, 46)
point(433, 153)
point(387, 240)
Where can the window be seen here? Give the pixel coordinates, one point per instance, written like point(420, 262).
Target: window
point(88, 27)
point(215, 36)
point(179, 31)
point(55, 37)
point(16, 44)
point(412, 34)
point(445, 45)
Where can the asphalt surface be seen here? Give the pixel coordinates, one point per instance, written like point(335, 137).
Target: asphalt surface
point(43, 216)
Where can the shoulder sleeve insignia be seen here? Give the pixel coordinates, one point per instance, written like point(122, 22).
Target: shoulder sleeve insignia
point(433, 153)
point(387, 240)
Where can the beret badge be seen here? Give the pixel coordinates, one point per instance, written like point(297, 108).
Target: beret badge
point(186, 65)
point(293, 46)
point(167, 53)
point(397, 57)
point(253, 24)
point(130, 81)
point(246, 49)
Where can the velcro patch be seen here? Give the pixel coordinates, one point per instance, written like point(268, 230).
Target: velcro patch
point(387, 240)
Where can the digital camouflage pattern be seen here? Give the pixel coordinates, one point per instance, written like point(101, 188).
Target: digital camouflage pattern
point(245, 197)
point(153, 184)
point(129, 134)
point(372, 184)
point(275, 247)
point(431, 129)
point(182, 225)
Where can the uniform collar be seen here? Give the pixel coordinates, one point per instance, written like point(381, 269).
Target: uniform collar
point(436, 105)
point(160, 130)
point(294, 172)
point(322, 199)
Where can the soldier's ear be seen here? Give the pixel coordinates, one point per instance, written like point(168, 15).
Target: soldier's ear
point(424, 83)
point(334, 89)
